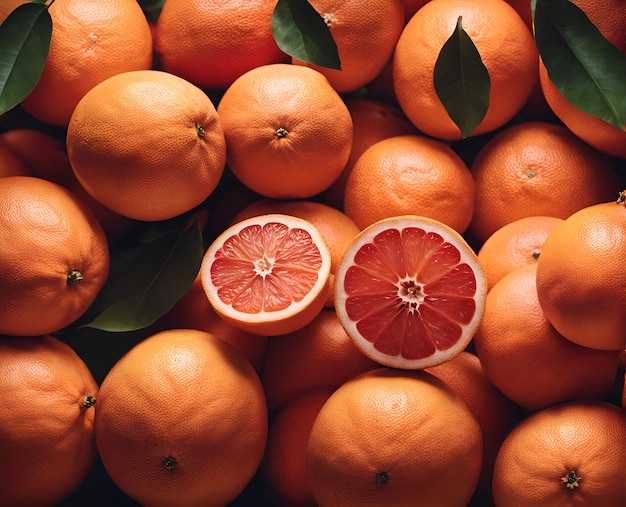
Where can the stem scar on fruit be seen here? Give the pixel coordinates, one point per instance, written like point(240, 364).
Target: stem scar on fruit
point(382, 477)
point(621, 198)
point(571, 480)
point(200, 130)
point(74, 277)
point(169, 462)
point(281, 132)
point(89, 401)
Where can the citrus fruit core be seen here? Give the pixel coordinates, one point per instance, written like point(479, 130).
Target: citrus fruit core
point(268, 274)
point(410, 292)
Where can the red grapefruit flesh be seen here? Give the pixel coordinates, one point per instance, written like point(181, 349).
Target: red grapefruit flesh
point(268, 274)
point(410, 292)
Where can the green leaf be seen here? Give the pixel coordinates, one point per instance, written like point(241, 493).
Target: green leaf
point(462, 81)
point(151, 8)
point(587, 69)
point(302, 33)
point(147, 279)
point(24, 44)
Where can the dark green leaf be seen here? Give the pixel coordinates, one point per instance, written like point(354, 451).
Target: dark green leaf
point(151, 8)
point(147, 280)
point(586, 68)
point(462, 81)
point(24, 44)
point(302, 33)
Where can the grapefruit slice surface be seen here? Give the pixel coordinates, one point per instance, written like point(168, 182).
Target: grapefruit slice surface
point(410, 292)
point(268, 275)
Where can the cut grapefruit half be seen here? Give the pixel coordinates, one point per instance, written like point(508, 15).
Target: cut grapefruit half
point(410, 292)
point(267, 275)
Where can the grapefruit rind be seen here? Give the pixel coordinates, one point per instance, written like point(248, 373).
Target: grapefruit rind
point(389, 294)
point(292, 279)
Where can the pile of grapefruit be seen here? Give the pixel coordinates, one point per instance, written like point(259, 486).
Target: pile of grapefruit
point(230, 276)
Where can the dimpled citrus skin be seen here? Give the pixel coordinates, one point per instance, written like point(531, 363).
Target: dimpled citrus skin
point(515, 244)
point(46, 421)
point(580, 277)
point(147, 144)
point(609, 17)
point(378, 440)
point(537, 168)
point(526, 357)
point(181, 420)
point(496, 414)
point(506, 48)
point(410, 175)
point(92, 40)
point(288, 132)
point(212, 42)
point(46, 234)
point(365, 32)
point(584, 438)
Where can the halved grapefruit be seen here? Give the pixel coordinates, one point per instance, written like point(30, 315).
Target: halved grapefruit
point(410, 292)
point(268, 274)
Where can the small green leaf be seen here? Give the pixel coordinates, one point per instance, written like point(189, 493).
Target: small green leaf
point(151, 8)
point(147, 280)
point(24, 44)
point(462, 81)
point(587, 69)
point(302, 33)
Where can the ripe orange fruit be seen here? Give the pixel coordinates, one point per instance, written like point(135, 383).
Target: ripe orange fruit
point(54, 256)
point(496, 414)
point(8, 6)
point(536, 168)
point(527, 359)
point(337, 228)
point(570, 454)
point(284, 461)
point(193, 311)
point(45, 155)
point(365, 32)
point(506, 47)
point(267, 275)
point(288, 131)
point(46, 421)
point(523, 8)
point(211, 43)
point(580, 275)
point(410, 175)
point(515, 244)
point(147, 144)
point(411, 7)
point(372, 121)
point(92, 40)
point(320, 355)
point(410, 292)
point(592, 130)
point(11, 164)
point(609, 16)
point(378, 440)
point(181, 420)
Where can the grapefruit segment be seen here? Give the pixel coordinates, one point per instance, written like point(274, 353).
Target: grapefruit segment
point(410, 292)
point(267, 274)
